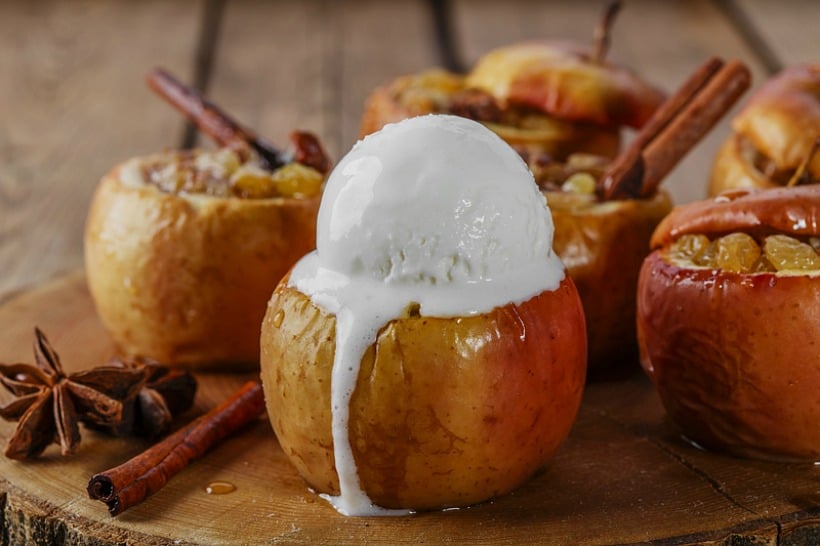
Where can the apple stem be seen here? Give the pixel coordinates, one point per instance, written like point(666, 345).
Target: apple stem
point(600, 38)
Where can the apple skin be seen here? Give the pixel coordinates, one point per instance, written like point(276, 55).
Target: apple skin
point(791, 211)
point(446, 412)
point(734, 357)
point(186, 281)
point(561, 79)
point(427, 92)
point(603, 246)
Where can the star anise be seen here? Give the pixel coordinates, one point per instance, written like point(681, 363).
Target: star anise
point(51, 404)
point(167, 392)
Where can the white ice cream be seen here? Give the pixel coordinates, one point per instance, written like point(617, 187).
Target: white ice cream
point(436, 211)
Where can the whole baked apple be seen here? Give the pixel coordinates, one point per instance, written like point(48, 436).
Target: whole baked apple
point(775, 136)
point(431, 352)
point(183, 248)
point(603, 245)
point(563, 106)
point(728, 322)
point(549, 100)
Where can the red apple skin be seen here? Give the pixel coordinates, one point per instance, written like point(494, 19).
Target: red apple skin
point(735, 357)
point(446, 412)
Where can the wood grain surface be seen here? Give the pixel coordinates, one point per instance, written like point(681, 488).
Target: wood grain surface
point(72, 104)
point(624, 476)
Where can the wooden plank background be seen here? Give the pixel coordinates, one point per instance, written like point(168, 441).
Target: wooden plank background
point(73, 102)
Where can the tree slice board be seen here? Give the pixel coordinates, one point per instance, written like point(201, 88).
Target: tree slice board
point(624, 475)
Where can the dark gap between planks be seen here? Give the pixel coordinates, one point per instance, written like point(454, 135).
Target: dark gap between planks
point(745, 27)
point(445, 36)
point(443, 32)
point(204, 60)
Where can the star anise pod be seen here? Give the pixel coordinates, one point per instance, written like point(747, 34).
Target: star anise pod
point(51, 404)
point(166, 393)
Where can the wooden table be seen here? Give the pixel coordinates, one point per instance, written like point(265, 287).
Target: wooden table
point(73, 104)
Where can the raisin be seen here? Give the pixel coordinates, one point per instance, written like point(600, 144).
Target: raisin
point(583, 183)
point(737, 252)
point(689, 247)
point(708, 256)
point(291, 180)
point(785, 252)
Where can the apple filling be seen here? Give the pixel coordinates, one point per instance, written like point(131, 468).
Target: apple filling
point(763, 164)
point(741, 253)
point(554, 149)
point(426, 92)
point(224, 173)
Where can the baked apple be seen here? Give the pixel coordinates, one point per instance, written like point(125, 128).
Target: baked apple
point(431, 352)
point(774, 137)
point(728, 321)
point(603, 245)
point(183, 248)
point(562, 106)
point(547, 99)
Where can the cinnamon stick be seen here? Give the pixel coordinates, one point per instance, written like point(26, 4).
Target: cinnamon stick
point(134, 481)
point(210, 119)
point(674, 129)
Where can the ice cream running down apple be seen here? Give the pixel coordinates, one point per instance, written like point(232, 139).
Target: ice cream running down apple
point(434, 214)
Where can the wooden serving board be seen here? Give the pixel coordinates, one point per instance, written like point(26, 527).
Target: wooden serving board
point(624, 476)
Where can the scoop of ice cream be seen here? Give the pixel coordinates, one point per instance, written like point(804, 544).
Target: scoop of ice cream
point(437, 201)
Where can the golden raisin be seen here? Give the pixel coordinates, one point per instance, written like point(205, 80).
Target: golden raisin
point(763, 265)
point(297, 180)
point(291, 180)
point(583, 183)
point(708, 256)
point(689, 247)
point(737, 252)
point(786, 252)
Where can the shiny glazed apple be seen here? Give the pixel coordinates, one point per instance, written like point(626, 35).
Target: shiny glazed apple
point(603, 245)
point(729, 322)
point(446, 411)
point(183, 250)
point(563, 111)
point(431, 351)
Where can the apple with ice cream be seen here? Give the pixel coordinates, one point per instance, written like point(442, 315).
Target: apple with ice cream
point(431, 352)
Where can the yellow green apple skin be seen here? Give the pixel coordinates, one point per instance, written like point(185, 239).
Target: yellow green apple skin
point(185, 280)
point(603, 246)
point(446, 411)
